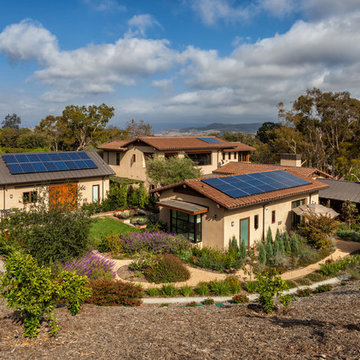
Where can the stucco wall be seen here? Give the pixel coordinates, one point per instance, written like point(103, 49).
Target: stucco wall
point(12, 196)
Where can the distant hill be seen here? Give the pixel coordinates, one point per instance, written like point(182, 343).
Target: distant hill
point(245, 128)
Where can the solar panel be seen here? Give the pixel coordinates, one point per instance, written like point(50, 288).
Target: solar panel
point(209, 140)
point(258, 183)
point(47, 162)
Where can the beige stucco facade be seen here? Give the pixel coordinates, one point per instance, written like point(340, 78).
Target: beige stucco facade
point(219, 225)
point(11, 196)
point(132, 162)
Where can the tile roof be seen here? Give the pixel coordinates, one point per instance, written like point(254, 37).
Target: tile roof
point(238, 146)
point(6, 178)
point(241, 168)
point(115, 145)
point(163, 143)
point(231, 203)
point(341, 190)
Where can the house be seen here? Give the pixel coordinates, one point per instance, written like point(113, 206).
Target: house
point(22, 175)
point(338, 191)
point(211, 211)
point(293, 166)
point(128, 158)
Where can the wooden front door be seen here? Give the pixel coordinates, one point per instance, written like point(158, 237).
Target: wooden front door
point(63, 196)
point(244, 231)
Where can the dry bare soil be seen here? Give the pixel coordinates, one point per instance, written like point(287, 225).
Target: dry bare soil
point(325, 326)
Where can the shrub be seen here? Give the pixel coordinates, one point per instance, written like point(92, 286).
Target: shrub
point(202, 289)
point(317, 230)
point(294, 246)
point(152, 242)
point(251, 286)
point(152, 292)
point(49, 235)
point(262, 254)
point(240, 298)
point(234, 284)
point(191, 304)
point(269, 285)
point(34, 290)
point(208, 302)
point(332, 268)
point(349, 234)
point(208, 258)
point(168, 290)
point(219, 287)
point(323, 288)
point(186, 290)
point(286, 241)
point(168, 268)
point(114, 293)
point(91, 265)
point(290, 284)
point(303, 292)
point(303, 281)
point(269, 253)
point(140, 220)
point(286, 300)
point(315, 277)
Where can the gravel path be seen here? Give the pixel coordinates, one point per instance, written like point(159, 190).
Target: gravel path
point(325, 326)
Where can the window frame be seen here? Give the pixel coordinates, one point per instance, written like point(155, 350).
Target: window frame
point(273, 216)
point(118, 157)
point(194, 156)
point(180, 220)
point(32, 197)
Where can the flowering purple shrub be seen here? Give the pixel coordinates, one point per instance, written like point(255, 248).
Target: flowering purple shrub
point(157, 242)
point(92, 265)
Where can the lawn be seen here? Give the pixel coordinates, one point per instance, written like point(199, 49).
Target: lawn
point(105, 226)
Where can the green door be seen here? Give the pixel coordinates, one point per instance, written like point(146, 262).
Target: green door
point(244, 231)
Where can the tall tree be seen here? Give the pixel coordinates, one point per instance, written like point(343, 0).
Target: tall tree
point(327, 121)
point(265, 132)
point(78, 126)
point(135, 129)
point(11, 121)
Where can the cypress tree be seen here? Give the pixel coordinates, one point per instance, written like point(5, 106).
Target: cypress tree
point(123, 196)
point(269, 238)
point(294, 245)
point(142, 196)
point(286, 241)
point(269, 253)
point(262, 254)
point(243, 250)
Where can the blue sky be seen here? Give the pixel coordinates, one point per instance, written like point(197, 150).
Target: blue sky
point(174, 63)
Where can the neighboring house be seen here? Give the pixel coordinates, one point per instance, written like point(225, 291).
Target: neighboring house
point(128, 158)
point(339, 191)
point(211, 211)
point(22, 175)
point(235, 168)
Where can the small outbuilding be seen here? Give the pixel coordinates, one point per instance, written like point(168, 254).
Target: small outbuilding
point(211, 211)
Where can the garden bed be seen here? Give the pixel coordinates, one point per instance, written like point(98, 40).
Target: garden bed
point(303, 331)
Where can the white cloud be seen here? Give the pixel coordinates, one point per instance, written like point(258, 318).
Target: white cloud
point(105, 5)
point(322, 9)
point(93, 69)
point(139, 24)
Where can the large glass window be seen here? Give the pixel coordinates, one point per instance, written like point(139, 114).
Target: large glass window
point(186, 224)
point(200, 158)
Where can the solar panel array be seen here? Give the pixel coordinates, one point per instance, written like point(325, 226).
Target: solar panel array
point(47, 162)
point(258, 183)
point(209, 140)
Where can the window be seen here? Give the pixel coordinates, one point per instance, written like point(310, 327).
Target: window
point(223, 155)
point(200, 158)
point(95, 194)
point(186, 224)
point(29, 197)
point(117, 158)
point(273, 217)
point(296, 219)
point(235, 155)
point(256, 222)
point(169, 155)
point(133, 159)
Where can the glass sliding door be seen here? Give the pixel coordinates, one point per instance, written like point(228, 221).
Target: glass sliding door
point(186, 224)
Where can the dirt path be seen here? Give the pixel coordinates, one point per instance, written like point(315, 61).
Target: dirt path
point(343, 248)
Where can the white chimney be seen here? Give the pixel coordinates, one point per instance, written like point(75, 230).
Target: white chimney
point(290, 160)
